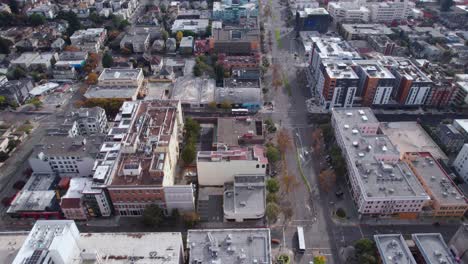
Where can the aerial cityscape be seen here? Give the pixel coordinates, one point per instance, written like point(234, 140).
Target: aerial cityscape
point(234, 131)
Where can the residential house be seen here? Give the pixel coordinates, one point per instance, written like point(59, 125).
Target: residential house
point(16, 91)
point(186, 45)
point(138, 43)
point(90, 40)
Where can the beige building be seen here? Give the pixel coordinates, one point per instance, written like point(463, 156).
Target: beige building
point(446, 198)
point(121, 77)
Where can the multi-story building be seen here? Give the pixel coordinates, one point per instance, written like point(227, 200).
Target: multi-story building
point(312, 19)
point(144, 172)
point(446, 198)
point(412, 86)
point(247, 245)
point(215, 168)
point(234, 12)
point(327, 48)
point(391, 10)
point(461, 94)
point(66, 156)
point(235, 40)
point(363, 31)
point(16, 91)
point(381, 184)
point(459, 243)
point(462, 126)
point(236, 131)
point(60, 241)
point(64, 72)
point(337, 84)
point(450, 137)
point(349, 11)
point(460, 163)
point(432, 249)
point(382, 44)
point(90, 121)
point(244, 198)
point(121, 77)
point(71, 203)
point(89, 40)
point(393, 248)
point(375, 83)
point(233, 61)
point(197, 26)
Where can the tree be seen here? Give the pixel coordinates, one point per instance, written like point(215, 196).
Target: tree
point(340, 212)
point(164, 35)
point(272, 185)
point(36, 102)
point(288, 212)
point(3, 156)
point(192, 130)
point(366, 251)
point(226, 105)
point(179, 36)
point(273, 154)
point(153, 215)
point(189, 153)
point(16, 73)
point(36, 20)
point(289, 182)
point(271, 198)
point(13, 6)
point(72, 19)
point(3, 100)
point(284, 140)
point(163, 8)
point(196, 70)
point(191, 219)
point(4, 46)
point(107, 60)
point(327, 179)
point(327, 132)
point(272, 211)
point(319, 260)
point(92, 78)
point(212, 105)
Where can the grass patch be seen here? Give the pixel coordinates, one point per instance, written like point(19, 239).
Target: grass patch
point(306, 182)
point(287, 85)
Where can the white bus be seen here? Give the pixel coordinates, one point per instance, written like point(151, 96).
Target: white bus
point(300, 239)
point(240, 111)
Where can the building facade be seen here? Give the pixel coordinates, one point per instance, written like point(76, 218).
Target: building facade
point(460, 163)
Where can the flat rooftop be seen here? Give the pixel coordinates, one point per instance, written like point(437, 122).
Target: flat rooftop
point(245, 196)
point(376, 178)
point(441, 187)
point(36, 195)
point(235, 82)
point(254, 153)
point(313, 11)
point(228, 246)
point(10, 244)
point(96, 91)
point(120, 74)
point(462, 123)
point(408, 70)
point(367, 29)
point(78, 146)
point(230, 130)
point(393, 249)
point(334, 47)
point(411, 137)
point(339, 70)
point(375, 70)
point(433, 248)
point(194, 90)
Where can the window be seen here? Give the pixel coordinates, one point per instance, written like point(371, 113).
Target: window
point(258, 166)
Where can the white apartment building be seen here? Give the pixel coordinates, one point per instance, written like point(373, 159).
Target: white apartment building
point(349, 11)
point(381, 184)
point(90, 40)
point(215, 168)
point(60, 242)
point(121, 77)
point(367, 11)
point(66, 156)
point(461, 164)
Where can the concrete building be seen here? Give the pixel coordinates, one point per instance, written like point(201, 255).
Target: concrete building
point(234, 12)
point(37, 199)
point(411, 137)
point(64, 71)
point(312, 19)
point(72, 202)
point(446, 199)
point(193, 92)
point(229, 245)
point(120, 83)
point(460, 163)
point(89, 40)
point(450, 137)
point(233, 40)
point(215, 168)
point(66, 156)
point(197, 26)
point(337, 84)
point(363, 31)
point(89, 121)
point(35, 61)
point(462, 126)
point(389, 11)
point(138, 43)
point(375, 83)
point(48, 11)
point(145, 171)
point(432, 248)
point(393, 249)
point(16, 91)
point(244, 198)
point(60, 241)
point(458, 244)
point(186, 45)
point(238, 61)
point(381, 184)
point(233, 132)
point(382, 44)
point(353, 11)
point(412, 86)
point(76, 59)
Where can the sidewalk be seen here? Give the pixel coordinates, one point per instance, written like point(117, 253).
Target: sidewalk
point(385, 222)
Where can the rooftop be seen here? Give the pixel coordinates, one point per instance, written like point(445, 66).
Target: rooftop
point(190, 24)
point(462, 123)
point(375, 70)
point(254, 153)
point(312, 11)
point(441, 187)
point(120, 74)
point(231, 130)
point(338, 70)
point(433, 248)
point(411, 137)
point(334, 47)
point(235, 82)
point(194, 90)
point(393, 249)
point(233, 34)
point(78, 146)
point(379, 171)
point(10, 244)
point(95, 91)
point(407, 69)
point(245, 196)
point(239, 95)
point(228, 246)
point(367, 29)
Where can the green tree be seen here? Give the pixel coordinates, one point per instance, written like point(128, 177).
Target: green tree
point(107, 60)
point(196, 70)
point(219, 71)
point(271, 198)
point(3, 156)
point(189, 153)
point(272, 185)
point(2, 100)
point(36, 20)
point(192, 130)
point(4, 46)
point(36, 102)
point(366, 251)
point(164, 35)
point(212, 105)
point(319, 260)
point(273, 154)
point(153, 215)
point(226, 104)
point(163, 8)
point(272, 211)
point(74, 23)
